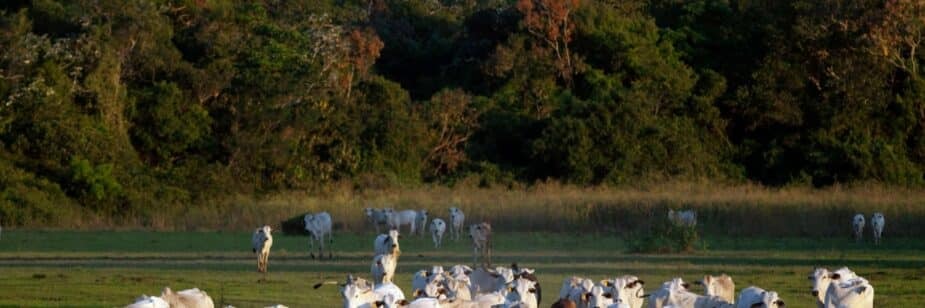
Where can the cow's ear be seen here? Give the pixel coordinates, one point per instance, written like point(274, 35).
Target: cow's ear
point(835, 276)
point(427, 274)
point(640, 281)
point(585, 296)
point(402, 302)
point(605, 283)
point(780, 303)
point(467, 272)
point(379, 304)
point(608, 295)
point(860, 289)
point(686, 285)
point(418, 292)
point(531, 290)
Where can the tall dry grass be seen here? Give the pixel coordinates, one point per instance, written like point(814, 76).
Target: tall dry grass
point(722, 209)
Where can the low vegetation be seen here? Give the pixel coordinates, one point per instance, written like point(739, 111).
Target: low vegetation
point(109, 269)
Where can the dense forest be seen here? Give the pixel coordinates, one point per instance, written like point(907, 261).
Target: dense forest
point(121, 106)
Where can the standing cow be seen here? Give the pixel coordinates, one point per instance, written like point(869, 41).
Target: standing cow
point(877, 222)
point(857, 226)
point(318, 226)
point(481, 243)
point(437, 228)
point(262, 240)
point(457, 221)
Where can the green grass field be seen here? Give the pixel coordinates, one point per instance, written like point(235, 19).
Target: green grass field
point(109, 269)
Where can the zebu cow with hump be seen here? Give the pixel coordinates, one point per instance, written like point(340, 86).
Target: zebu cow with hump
point(481, 243)
point(318, 226)
point(262, 240)
point(721, 286)
point(821, 278)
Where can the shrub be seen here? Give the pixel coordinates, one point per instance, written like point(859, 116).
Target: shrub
point(665, 237)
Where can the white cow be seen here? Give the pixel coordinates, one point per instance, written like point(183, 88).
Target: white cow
point(822, 278)
point(758, 297)
point(684, 218)
point(383, 268)
point(318, 226)
point(523, 294)
point(397, 219)
point(662, 297)
point(721, 286)
point(598, 297)
point(626, 289)
point(877, 222)
point(481, 242)
point(149, 302)
point(853, 293)
point(262, 240)
point(457, 221)
point(576, 289)
point(190, 298)
point(376, 217)
point(421, 222)
point(484, 280)
point(857, 225)
point(358, 293)
point(437, 228)
point(429, 282)
point(458, 287)
point(387, 243)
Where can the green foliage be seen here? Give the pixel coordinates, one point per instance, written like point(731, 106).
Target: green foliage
point(93, 182)
point(182, 100)
point(665, 237)
point(26, 199)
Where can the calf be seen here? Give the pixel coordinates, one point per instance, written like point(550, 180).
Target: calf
point(857, 226)
point(877, 222)
point(481, 243)
point(318, 226)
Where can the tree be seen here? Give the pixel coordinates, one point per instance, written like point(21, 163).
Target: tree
point(551, 22)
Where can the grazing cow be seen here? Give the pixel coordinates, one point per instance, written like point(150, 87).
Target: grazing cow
point(437, 228)
point(190, 298)
point(387, 243)
point(857, 225)
point(721, 286)
point(262, 240)
point(757, 297)
point(662, 297)
point(457, 221)
point(626, 289)
point(523, 294)
point(421, 222)
point(318, 226)
point(376, 217)
point(400, 218)
point(852, 293)
point(822, 278)
point(383, 268)
point(684, 218)
point(877, 222)
point(149, 302)
point(481, 243)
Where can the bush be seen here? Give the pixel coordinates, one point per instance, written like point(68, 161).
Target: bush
point(665, 237)
point(294, 225)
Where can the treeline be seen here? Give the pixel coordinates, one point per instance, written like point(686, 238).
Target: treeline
point(130, 107)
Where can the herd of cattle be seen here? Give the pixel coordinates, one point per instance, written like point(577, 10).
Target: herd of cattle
point(489, 287)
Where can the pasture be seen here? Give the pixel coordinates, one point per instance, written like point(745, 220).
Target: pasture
point(109, 269)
